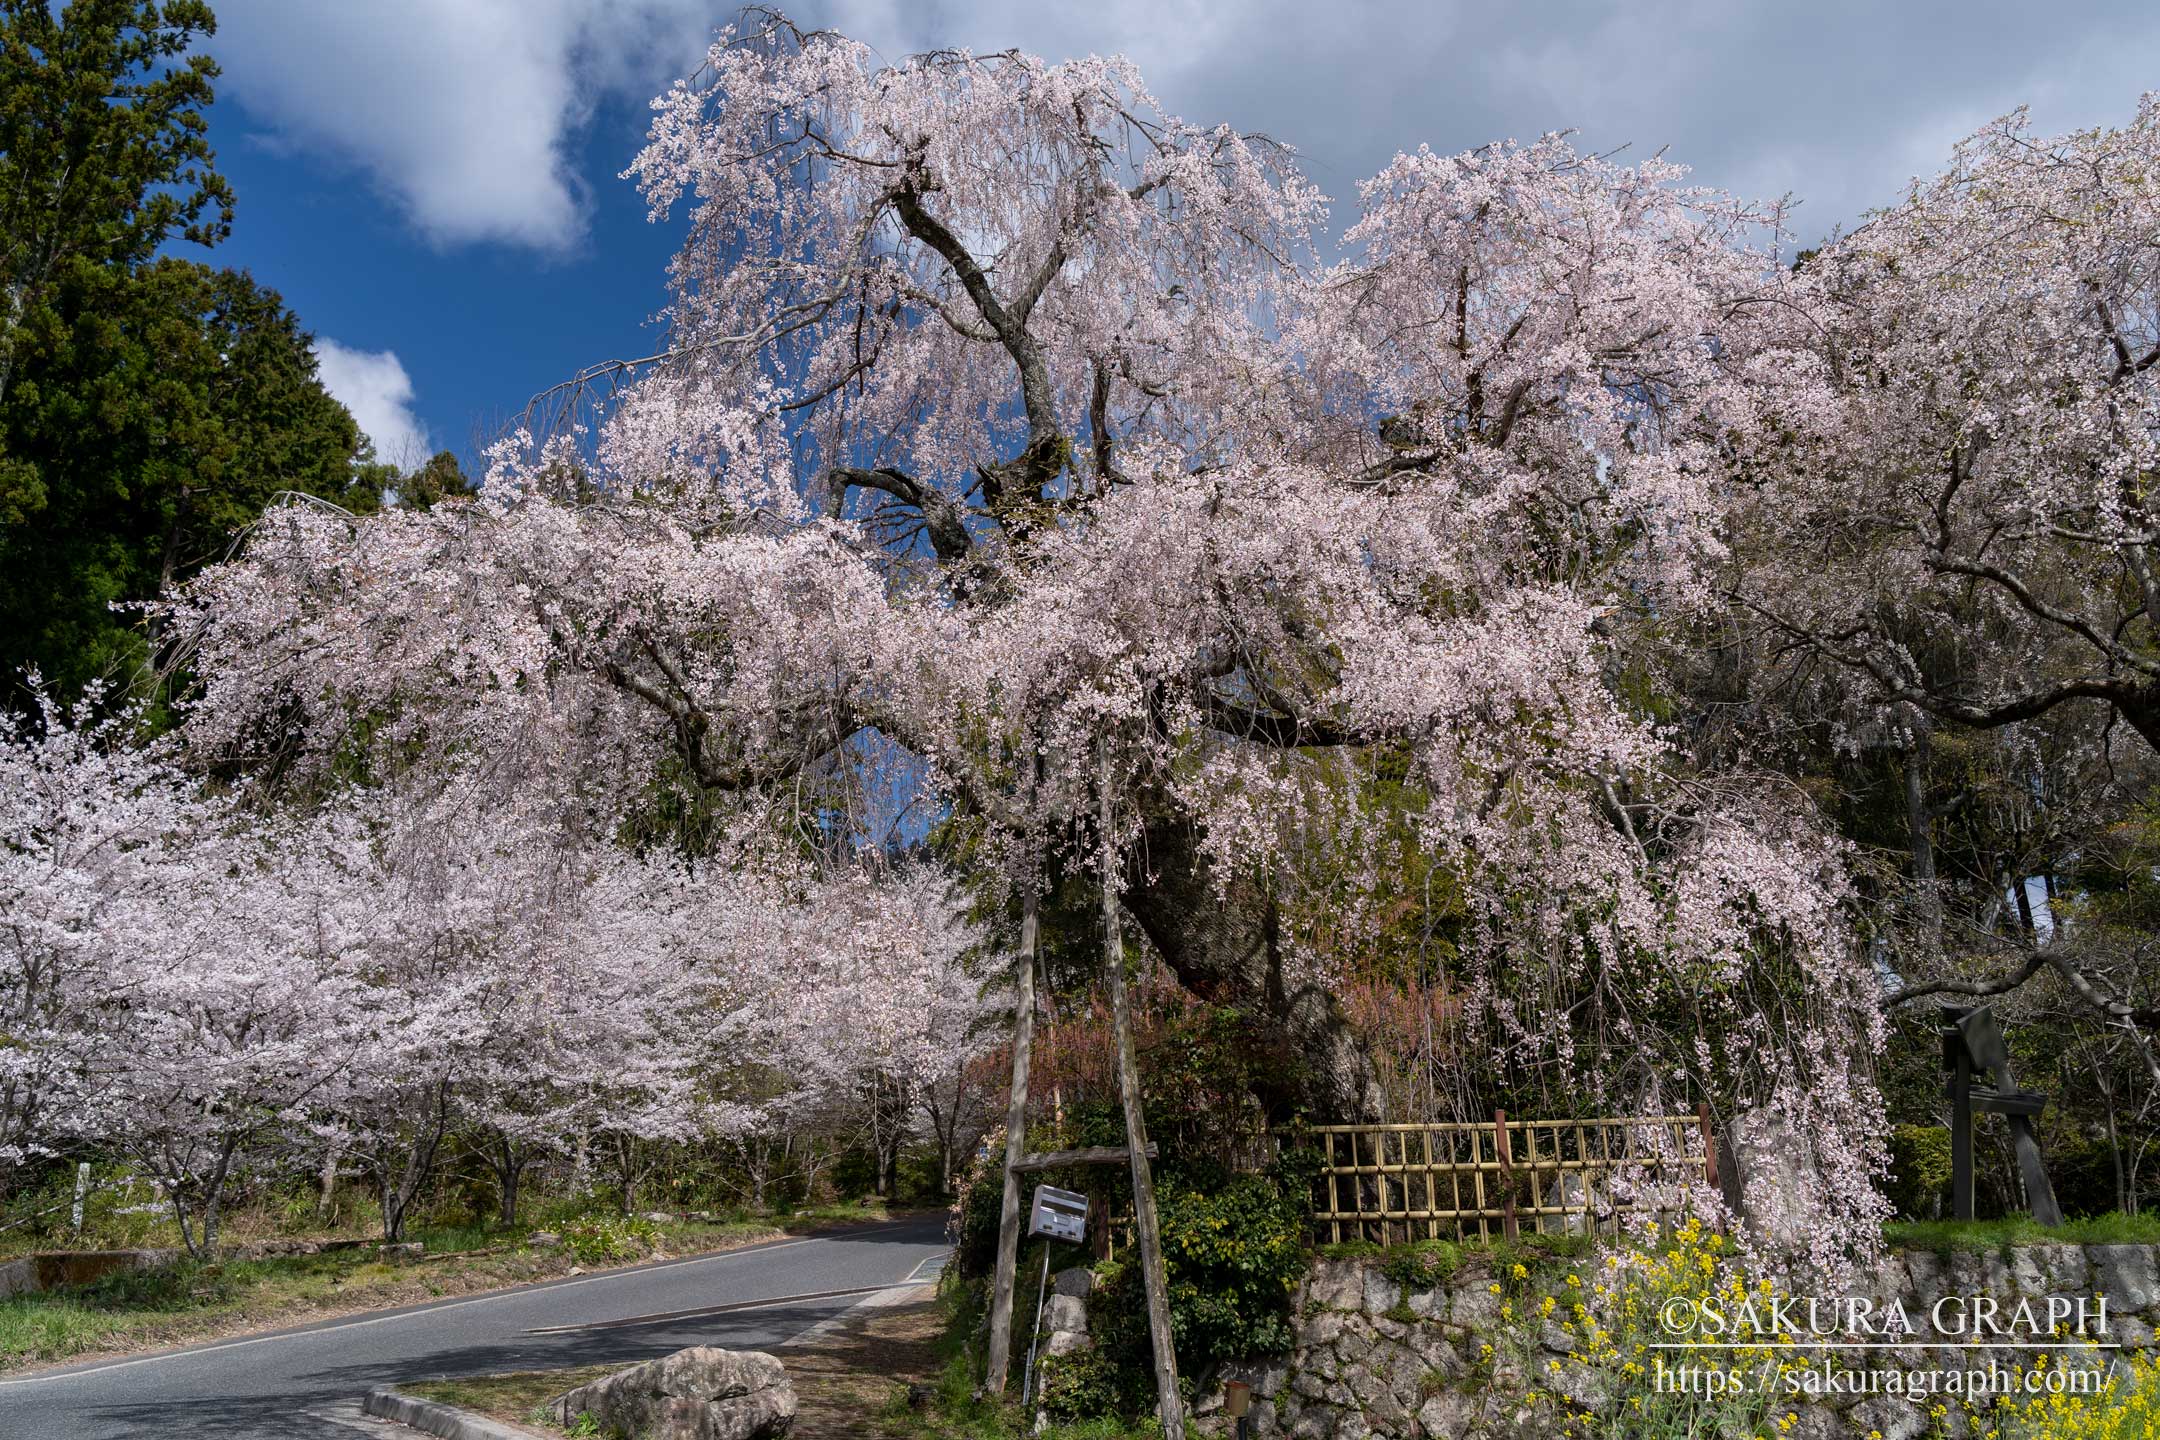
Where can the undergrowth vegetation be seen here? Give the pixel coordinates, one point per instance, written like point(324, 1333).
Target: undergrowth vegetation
point(955, 1408)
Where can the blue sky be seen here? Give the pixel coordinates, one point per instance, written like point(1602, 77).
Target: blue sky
point(431, 183)
point(475, 326)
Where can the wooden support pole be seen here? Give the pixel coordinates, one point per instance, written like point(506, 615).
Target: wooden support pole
point(1507, 1174)
point(2039, 1193)
point(1023, 1039)
point(1709, 1144)
point(1334, 1188)
point(1167, 1404)
point(1961, 1136)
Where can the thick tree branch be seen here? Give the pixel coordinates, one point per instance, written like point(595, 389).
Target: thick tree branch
point(2000, 985)
point(1045, 453)
point(2138, 703)
point(943, 519)
point(2039, 609)
point(1284, 732)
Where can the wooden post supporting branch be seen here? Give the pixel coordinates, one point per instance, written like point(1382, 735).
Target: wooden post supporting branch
point(1507, 1173)
point(1961, 1126)
point(1168, 1407)
point(1008, 1255)
point(1709, 1144)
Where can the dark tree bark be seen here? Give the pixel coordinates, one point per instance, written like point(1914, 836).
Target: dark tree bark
point(1226, 949)
point(402, 1170)
point(1919, 822)
point(509, 1160)
point(944, 1117)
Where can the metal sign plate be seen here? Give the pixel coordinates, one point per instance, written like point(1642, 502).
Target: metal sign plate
point(1059, 1214)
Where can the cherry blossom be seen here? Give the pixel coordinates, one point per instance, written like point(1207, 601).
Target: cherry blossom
point(1009, 434)
point(1963, 517)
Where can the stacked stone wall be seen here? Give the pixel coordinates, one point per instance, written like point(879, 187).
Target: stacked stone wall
point(1374, 1360)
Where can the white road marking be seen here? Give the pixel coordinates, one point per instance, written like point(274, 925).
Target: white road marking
point(360, 1321)
point(708, 1312)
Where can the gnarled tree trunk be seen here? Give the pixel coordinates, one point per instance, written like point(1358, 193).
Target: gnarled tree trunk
point(1226, 949)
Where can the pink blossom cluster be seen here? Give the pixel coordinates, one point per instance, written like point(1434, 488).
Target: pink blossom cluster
point(1958, 510)
point(205, 987)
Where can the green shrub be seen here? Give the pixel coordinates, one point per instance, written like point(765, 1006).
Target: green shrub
point(921, 1184)
point(1232, 1259)
point(1426, 1263)
point(1233, 1254)
point(854, 1173)
point(976, 1235)
point(2082, 1172)
point(1091, 1383)
point(121, 1212)
point(557, 1211)
point(1919, 1169)
point(1204, 1066)
point(606, 1239)
point(293, 1211)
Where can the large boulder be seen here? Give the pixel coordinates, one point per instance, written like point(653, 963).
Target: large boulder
point(702, 1393)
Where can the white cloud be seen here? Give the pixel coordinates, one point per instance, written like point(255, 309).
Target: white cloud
point(463, 111)
point(1839, 102)
point(374, 386)
point(459, 110)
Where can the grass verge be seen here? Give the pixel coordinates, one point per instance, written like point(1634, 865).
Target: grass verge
point(953, 1408)
point(1945, 1236)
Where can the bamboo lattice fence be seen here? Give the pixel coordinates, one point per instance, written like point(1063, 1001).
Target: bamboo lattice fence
point(1393, 1184)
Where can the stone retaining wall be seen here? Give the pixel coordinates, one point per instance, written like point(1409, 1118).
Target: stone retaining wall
point(1373, 1361)
point(63, 1269)
point(30, 1274)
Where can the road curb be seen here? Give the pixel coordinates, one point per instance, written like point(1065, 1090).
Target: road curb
point(386, 1403)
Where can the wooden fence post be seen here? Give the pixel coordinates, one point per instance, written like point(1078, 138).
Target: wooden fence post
point(1507, 1174)
point(1709, 1144)
point(82, 1193)
point(1008, 1255)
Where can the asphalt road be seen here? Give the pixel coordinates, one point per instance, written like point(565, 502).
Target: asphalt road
point(306, 1382)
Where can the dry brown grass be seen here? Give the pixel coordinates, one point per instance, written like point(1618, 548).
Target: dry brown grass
point(847, 1379)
